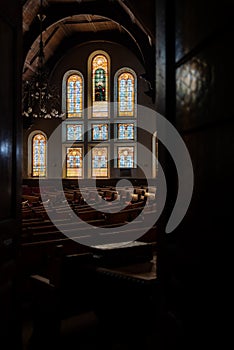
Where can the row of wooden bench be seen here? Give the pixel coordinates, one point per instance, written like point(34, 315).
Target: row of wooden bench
point(36, 254)
point(76, 195)
point(40, 225)
point(46, 225)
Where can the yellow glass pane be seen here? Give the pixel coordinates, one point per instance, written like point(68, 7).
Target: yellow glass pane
point(99, 162)
point(74, 166)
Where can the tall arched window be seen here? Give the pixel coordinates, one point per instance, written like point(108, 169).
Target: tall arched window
point(126, 95)
point(73, 94)
point(100, 87)
point(126, 92)
point(39, 151)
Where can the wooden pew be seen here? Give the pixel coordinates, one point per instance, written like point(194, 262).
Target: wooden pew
point(35, 254)
point(66, 292)
point(122, 216)
point(31, 198)
point(48, 232)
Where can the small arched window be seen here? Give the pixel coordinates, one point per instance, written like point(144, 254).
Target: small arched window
point(39, 152)
point(74, 100)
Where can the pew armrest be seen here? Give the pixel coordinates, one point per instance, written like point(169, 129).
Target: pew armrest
point(40, 278)
point(41, 283)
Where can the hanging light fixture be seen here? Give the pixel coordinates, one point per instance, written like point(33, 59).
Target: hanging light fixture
point(40, 99)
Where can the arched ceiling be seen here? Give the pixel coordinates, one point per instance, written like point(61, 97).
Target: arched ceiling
point(71, 22)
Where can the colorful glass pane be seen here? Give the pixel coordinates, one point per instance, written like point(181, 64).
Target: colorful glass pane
point(126, 131)
point(125, 157)
point(74, 162)
point(39, 155)
point(99, 132)
point(126, 94)
point(74, 96)
point(99, 162)
point(100, 86)
point(74, 132)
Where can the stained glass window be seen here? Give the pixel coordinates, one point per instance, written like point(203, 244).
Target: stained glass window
point(98, 126)
point(100, 86)
point(74, 95)
point(74, 162)
point(39, 155)
point(99, 162)
point(74, 132)
point(99, 132)
point(126, 94)
point(126, 131)
point(125, 157)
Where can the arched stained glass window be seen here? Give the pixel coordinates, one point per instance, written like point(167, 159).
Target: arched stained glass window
point(99, 162)
point(39, 155)
point(74, 95)
point(74, 166)
point(100, 86)
point(126, 94)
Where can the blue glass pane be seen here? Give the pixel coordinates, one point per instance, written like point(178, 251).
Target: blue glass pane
point(126, 95)
point(74, 132)
point(125, 131)
point(99, 132)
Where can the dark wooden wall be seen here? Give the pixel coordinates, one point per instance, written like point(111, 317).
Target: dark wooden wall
point(195, 87)
point(10, 160)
